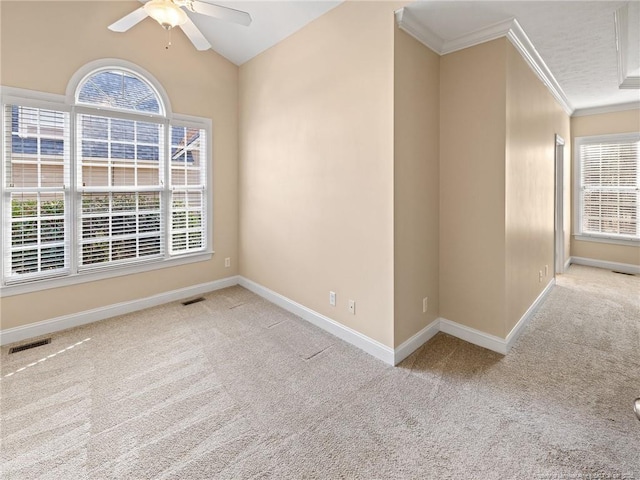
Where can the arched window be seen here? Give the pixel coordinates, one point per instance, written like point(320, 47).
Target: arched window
point(119, 89)
point(136, 192)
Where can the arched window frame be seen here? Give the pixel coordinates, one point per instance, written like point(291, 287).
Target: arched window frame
point(68, 105)
point(97, 66)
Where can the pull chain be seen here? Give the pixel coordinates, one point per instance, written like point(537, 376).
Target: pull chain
point(168, 38)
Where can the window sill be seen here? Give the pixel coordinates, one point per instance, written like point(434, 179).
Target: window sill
point(92, 276)
point(609, 240)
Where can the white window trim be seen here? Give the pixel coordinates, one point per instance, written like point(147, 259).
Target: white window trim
point(11, 95)
point(578, 234)
point(108, 63)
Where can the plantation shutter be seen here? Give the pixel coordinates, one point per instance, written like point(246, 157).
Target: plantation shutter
point(36, 193)
point(610, 189)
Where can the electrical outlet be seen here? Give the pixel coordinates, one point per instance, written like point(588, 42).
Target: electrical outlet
point(425, 304)
point(332, 298)
point(227, 262)
point(540, 276)
point(546, 270)
point(352, 307)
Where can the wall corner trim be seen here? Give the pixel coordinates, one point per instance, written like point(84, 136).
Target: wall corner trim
point(18, 334)
point(615, 266)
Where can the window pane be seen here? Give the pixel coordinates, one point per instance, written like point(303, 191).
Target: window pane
point(38, 242)
point(121, 226)
point(187, 221)
point(119, 89)
point(610, 188)
point(36, 147)
point(130, 155)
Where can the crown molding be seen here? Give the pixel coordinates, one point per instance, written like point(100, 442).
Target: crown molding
point(408, 23)
point(509, 28)
point(520, 40)
point(486, 34)
point(620, 107)
point(625, 81)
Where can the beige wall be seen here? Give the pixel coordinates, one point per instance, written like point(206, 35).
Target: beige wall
point(472, 186)
point(43, 45)
point(497, 143)
point(604, 124)
point(534, 117)
point(316, 171)
point(416, 190)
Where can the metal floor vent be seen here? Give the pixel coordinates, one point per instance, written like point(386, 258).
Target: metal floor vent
point(191, 302)
point(624, 273)
point(28, 346)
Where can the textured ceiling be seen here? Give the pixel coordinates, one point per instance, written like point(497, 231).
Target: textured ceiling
point(575, 39)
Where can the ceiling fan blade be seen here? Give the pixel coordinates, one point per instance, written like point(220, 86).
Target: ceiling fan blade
point(128, 21)
point(196, 37)
point(223, 13)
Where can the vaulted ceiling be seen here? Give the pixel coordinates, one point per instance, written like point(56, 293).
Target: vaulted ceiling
point(575, 39)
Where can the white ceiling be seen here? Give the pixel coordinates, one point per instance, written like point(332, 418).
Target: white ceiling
point(272, 22)
point(576, 39)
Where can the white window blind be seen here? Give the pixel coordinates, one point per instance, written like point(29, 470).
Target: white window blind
point(188, 184)
point(35, 193)
point(609, 189)
point(110, 181)
point(120, 177)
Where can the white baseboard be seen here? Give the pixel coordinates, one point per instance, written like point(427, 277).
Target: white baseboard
point(567, 263)
point(517, 329)
point(491, 342)
point(471, 335)
point(383, 352)
point(369, 345)
point(411, 345)
point(45, 327)
point(615, 266)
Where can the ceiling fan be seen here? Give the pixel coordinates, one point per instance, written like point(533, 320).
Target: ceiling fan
point(171, 13)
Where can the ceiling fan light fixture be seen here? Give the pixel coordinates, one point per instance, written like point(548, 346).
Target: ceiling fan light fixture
point(166, 13)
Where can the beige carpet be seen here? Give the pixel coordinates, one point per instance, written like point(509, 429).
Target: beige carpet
point(235, 388)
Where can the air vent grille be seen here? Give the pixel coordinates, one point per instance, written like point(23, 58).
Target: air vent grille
point(191, 302)
point(28, 346)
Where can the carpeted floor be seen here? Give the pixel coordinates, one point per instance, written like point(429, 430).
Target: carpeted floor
point(236, 388)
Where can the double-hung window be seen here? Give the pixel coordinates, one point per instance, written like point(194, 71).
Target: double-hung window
point(608, 188)
point(109, 183)
point(36, 192)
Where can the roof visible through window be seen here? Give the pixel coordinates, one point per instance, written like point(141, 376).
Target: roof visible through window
point(119, 89)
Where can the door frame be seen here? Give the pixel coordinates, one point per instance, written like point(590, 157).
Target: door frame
point(558, 205)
